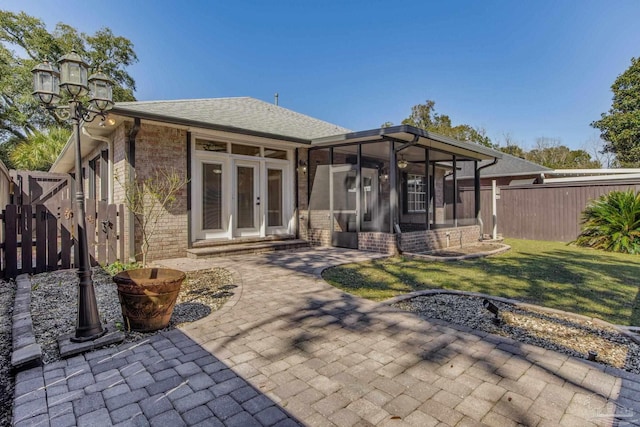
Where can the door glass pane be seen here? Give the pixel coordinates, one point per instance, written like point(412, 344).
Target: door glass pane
point(211, 196)
point(367, 194)
point(245, 197)
point(274, 198)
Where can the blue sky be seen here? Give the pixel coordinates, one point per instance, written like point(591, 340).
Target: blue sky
point(531, 69)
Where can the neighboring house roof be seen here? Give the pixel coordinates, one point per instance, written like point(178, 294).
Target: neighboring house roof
point(233, 113)
point(508, 165)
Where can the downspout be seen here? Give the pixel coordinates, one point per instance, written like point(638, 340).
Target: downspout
point(477, 195)
point(131, 160)
point(109, 142)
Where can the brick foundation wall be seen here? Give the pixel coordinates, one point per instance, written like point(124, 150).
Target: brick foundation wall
point(377, 242)
point(430, 240)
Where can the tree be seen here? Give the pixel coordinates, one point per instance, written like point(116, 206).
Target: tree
point(150, 199)
point(596, 147)
point(423, 116)
point(620, 126)
point(25, 42)
point(40, 149)
point(551, 153)
point(511, 146)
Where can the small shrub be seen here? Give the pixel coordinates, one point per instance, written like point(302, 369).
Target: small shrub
point(118, 266)
point(612, 223)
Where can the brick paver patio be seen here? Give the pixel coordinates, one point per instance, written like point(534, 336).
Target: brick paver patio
point(288, 349)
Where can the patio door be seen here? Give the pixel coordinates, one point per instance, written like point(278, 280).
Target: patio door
point(247, 204)
point(344, 205)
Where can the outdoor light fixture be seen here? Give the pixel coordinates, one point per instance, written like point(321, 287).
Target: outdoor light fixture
point(302, 166)
point(72, 81)
point(402, 163)
point(493, 309)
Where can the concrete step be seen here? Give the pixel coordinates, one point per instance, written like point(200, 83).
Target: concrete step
point(243, 247)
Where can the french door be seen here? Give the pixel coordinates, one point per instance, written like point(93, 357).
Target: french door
point(241, 197)
point(248, 204)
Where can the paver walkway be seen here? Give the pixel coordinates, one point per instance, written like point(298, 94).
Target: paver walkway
point(288, 349)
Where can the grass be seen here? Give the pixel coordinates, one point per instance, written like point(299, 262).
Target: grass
point(580, 280)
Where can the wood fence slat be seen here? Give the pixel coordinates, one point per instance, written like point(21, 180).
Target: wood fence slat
point(112, 234)
point(66, 226)
point(52, 241)
point(11, 241)
point(26, 230)
point(41, 238)
point(102, 228)
point(90, 213)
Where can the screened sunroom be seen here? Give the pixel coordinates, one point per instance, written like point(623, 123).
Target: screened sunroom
point(390, 189)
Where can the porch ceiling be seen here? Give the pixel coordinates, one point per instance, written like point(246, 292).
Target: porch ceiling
point(443, 147)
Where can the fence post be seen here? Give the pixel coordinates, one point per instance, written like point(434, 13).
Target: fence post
point(11, 241)
point(494, 210)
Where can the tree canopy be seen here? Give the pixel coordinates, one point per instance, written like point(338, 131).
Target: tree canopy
point(551, 153)
point(423, 116)
point(620, 126)
point(25, 42)
point(40, 149)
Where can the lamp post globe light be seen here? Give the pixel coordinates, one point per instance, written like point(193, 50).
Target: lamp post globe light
point(72, 80)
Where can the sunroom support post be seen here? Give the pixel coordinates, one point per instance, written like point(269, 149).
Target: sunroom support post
point(476, 188)
point(427, 155)
point(455, 191)
point(393, 187)
point(433, 201)
point(359, 190)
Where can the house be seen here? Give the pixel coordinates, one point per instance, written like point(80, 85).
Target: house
point(258, 171)
point(509, 170)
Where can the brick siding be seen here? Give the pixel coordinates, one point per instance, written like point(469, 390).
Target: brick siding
point(430, 240)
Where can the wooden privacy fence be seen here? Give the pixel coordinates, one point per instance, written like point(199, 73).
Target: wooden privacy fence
point(38, 239)
point(540, 211)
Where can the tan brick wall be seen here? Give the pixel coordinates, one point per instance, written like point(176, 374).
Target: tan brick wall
point(156, 147)
point(429, 240)
point(164, 147)
point(378, 242)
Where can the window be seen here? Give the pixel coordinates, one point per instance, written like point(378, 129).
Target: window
point(215, 146)
point(416, 193)
point(245, 150)
point(98, 177)
point(272, 153)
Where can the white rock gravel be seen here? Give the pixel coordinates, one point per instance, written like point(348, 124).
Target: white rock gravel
point(53, 311)
point(54, 295)
point(7, 295)
point(563, 333)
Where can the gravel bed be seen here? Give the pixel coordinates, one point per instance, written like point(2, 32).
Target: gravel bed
point(565, 334)
point(54, 300)
point(7, 295)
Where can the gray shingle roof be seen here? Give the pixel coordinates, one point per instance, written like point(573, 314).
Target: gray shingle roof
point(507, 166)
point(242, 113)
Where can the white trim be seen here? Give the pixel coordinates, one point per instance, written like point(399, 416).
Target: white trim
point(229, 164)
point(617, 177)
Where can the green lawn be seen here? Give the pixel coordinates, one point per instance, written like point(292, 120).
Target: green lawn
point(551, 274)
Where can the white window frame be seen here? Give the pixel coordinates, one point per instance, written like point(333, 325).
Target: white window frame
point(414, 205)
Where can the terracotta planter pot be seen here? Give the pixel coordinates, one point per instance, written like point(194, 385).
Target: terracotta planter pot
point(147, 296)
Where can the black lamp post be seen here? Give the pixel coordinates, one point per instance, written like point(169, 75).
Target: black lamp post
point(72, 79)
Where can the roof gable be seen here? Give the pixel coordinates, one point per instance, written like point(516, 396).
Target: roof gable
point(240, 113)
